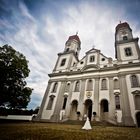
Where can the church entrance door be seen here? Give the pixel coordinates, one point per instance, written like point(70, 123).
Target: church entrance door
point(104, 109)
point(73, 112)
point(138, 119)
point(88, 108)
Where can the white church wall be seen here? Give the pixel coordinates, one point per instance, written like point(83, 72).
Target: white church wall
point(134, 51)
point(81, 63)
point(97, 73)
point(46, 114)
point(89, 94)
point(75, 96)
point(73, 46)
point(67, 57)
point(95, 58)
point(74, 61)
point(131, 96)
point(101, 60)
point(103, 95)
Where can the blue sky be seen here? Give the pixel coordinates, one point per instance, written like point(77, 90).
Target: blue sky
point(40, 28)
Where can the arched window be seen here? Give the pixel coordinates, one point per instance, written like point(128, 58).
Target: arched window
point(125, 38)
point(67, 87)
point(116, 84)
point(50, 103)
point(104, 84)
point(92, 58)
point(64, 103)
point(128, 51)
point(89, 85)
point(67, 49)
point(55, 87)
point(137, 102)
point(77, 85)
point(63, 62)
point(117, 101)
point(134, 81)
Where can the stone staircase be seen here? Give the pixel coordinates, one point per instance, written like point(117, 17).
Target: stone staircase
point(93, 123)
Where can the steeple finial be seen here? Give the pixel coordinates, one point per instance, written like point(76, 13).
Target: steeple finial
point(120, 22)
point(77, 33)
point(93, 46)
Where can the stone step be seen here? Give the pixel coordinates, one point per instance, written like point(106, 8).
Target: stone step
point(93, 123)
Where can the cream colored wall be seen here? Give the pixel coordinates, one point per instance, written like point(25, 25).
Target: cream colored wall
point(46, 114)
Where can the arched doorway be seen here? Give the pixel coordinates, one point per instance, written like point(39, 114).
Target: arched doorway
point(73, 112)
point(88, 108)
point(104, 109)
point(138, 119)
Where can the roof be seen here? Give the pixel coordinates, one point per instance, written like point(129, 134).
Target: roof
point(74, 37)
point(91, 50)
point(122, 25)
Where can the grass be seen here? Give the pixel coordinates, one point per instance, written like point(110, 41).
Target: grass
point(54, 131)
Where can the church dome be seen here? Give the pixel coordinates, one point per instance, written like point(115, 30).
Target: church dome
point(74, 37)
point(122, 25)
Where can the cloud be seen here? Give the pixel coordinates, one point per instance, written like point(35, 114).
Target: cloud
point(41, 37)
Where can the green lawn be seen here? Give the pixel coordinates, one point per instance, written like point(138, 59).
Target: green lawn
point(53, 131)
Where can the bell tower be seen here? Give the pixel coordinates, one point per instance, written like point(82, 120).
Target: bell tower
point(126, 47)
point(73, 45)
point(70, 55)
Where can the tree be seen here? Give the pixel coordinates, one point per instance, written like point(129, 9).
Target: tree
point(13, 70)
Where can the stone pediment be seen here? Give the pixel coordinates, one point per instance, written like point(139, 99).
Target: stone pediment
point(136, 92)
point(89, 67)
point(93, 50)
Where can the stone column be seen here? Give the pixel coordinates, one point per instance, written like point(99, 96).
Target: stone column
point(96, 104)
point(126, 113)
point(43, 102)
point(81, 98)
point(111, 113)
point(56, 115)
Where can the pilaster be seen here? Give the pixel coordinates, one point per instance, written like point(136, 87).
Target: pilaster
point(81, 99)
point(68, 105)
point(111, 101)
point(96, 105)
point(126, 114)
point(42, 107)
point(56, 115)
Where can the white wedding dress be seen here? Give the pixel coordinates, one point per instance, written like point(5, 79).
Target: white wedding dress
point(87, 125)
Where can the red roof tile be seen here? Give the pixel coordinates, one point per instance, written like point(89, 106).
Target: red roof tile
point(121, 25)
point(74, 37)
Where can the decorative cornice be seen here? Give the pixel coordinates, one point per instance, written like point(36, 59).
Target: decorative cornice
point(69, 52)
point(136, 92)
point(127, 41)
point(106, 69)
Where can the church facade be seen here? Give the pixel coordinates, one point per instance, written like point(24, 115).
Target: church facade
point(96, 86)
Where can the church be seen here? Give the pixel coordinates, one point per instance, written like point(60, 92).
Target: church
point(96, 86)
